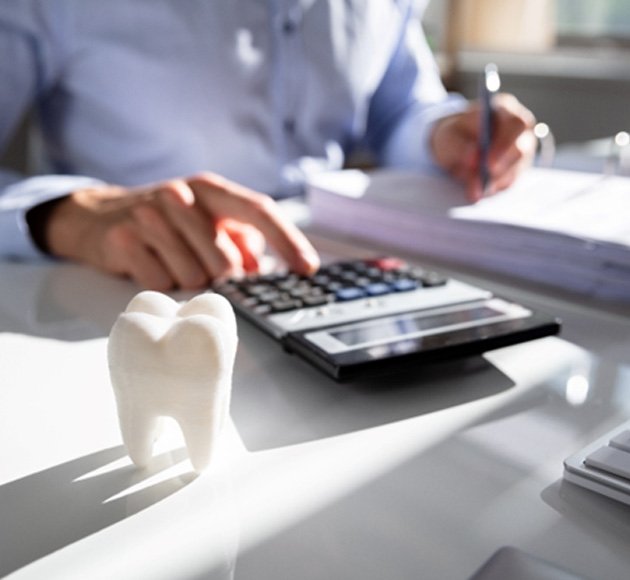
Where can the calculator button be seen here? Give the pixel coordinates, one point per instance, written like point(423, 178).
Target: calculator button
point(249, 302)
point(363, 281)
point(284, 305)
point(261, 309)
point(404, 285)
point(315, 300)
point(287, 285)
point(431, 279)
point(351, 293)
point(388, 263)
point(270, 296)
point(227, 288)
point(301, 291)
point(378, 289)
point(257, 289)
point(611, 460)
point(321, 279)
point(334, 286)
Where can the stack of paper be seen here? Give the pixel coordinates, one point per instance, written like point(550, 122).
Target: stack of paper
point(564, 228)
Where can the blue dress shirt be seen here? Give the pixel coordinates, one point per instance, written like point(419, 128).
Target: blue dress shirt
point(264, 92)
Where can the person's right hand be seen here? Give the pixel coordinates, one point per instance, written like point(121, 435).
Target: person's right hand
point(182, 233)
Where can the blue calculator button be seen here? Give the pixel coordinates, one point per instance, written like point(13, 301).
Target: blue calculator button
point(404, 285)
point(350, 293)
point(378, 289)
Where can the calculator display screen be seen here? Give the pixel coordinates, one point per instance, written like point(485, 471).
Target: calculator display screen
point(401, 326)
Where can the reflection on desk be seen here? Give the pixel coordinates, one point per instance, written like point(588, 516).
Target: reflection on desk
point(425, 475)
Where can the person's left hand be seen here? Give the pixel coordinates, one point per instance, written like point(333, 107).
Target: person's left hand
point(455, 145)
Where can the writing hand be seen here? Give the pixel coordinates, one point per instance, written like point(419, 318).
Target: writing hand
point(455, 145)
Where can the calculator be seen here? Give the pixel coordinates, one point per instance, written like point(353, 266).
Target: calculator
point(373, 316)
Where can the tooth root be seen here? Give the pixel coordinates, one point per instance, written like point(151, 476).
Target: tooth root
point(200, 432)
point(139, 430)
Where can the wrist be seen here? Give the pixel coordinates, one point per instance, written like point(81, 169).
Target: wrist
point(37, 219)
point(67, 225)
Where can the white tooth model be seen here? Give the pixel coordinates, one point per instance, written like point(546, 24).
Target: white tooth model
point(175, 361)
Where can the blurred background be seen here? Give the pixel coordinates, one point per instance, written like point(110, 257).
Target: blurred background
point(567, 60)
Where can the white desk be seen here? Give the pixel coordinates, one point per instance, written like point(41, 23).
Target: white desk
point(419, 476)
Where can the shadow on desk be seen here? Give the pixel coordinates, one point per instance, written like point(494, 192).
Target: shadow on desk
point(46, 511)
point(278, 399)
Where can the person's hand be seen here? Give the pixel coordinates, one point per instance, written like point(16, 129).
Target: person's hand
point(455, 145)
point(183, 233)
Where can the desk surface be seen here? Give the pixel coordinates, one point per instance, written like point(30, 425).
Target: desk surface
point(420, 476)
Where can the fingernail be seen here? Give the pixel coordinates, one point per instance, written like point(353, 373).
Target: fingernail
point(311, 260)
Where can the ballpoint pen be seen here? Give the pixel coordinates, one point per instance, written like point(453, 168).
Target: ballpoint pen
point(489, 85)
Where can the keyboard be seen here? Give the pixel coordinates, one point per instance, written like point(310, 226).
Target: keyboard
point(342, 291)
point(368, 316)
point(604, 465)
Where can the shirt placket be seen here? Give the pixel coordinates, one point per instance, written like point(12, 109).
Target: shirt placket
point(287, 22)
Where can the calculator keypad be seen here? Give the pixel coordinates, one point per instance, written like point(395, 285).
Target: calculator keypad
point(338, 282)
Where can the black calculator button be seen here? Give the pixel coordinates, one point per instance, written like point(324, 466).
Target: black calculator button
point(236, 296)
point(431, 279)
point(363, 281)
point(249, 301)
point(321, 279)
point(270, 296)
point(227, 288)
point(261, 309)
point(334, 286)
point(389, 277)
point(348, 276)
point(417, 273)
point(257, 289)
point(333, 270)
point(283, 305)
point(315, 300)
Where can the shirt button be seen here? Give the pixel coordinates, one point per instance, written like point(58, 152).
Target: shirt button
point(289, 126)
point(289, 26)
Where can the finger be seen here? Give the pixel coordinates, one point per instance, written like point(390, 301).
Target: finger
point(126, 254)
point(506, 179)
point(474, 188)
point(217, 256)
point(226, 199)
point(232, 252)
point(511, 120)
point(249, 241)
point(177, 257)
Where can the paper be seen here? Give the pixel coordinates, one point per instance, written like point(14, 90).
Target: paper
point(563, 228)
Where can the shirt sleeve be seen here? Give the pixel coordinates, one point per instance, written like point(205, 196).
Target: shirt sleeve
point(28, 65)
point(15, 201)
point(408, 102)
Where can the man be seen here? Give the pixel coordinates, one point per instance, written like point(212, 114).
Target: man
point(169, 126)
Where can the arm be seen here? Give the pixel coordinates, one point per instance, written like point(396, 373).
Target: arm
point(28, 65)
point(181, 233)
point(414, 124)
point(408, 101)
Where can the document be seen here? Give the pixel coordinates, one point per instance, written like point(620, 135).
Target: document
point(564, 228)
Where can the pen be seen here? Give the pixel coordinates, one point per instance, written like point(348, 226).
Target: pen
point(488, 87)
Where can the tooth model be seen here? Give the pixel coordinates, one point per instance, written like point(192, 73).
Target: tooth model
point(175, 361)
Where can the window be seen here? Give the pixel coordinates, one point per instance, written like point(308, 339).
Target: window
point(522, 25)
point(593, 22)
